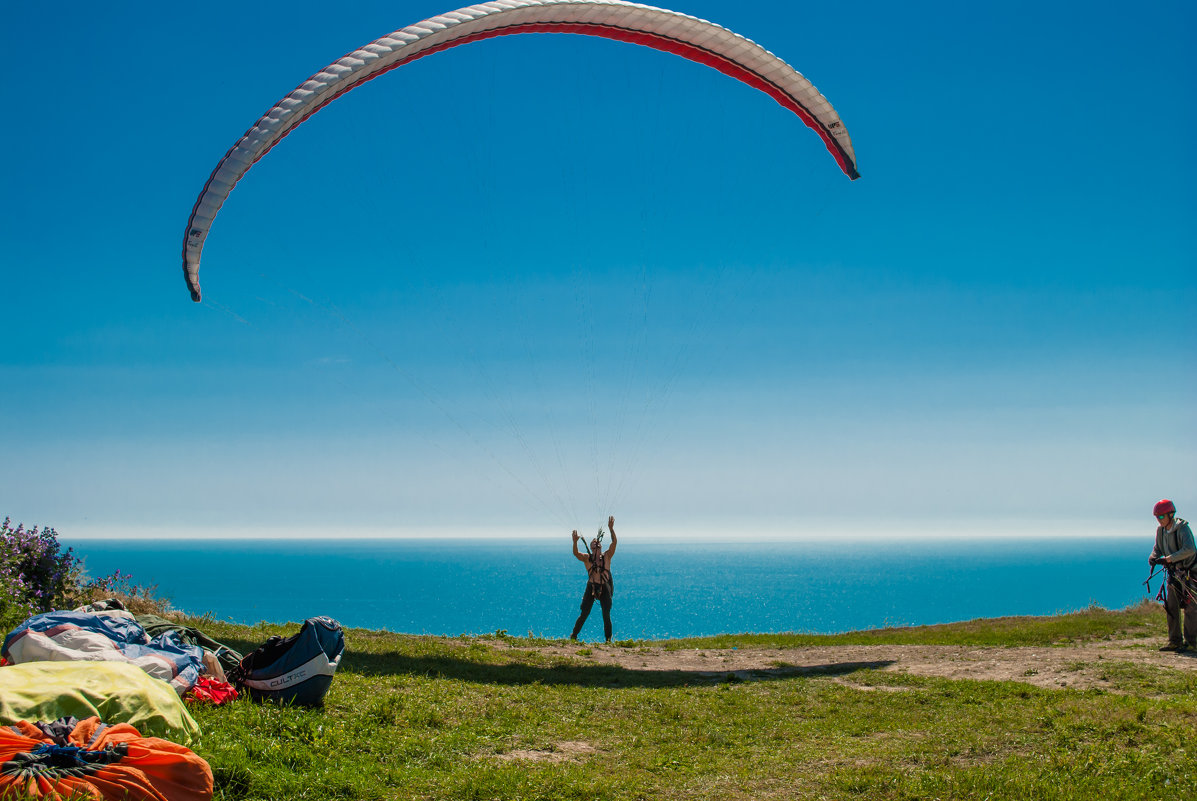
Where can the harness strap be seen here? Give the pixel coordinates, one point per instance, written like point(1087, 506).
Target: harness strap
point(1184, 580)
point(599, 568)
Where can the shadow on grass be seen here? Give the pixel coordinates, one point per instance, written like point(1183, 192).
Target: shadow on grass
point(564, 674)
point(583, 675)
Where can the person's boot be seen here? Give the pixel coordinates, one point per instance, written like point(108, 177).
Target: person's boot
point(1173, 646)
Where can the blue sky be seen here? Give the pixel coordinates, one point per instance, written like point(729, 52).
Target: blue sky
point(523, 284)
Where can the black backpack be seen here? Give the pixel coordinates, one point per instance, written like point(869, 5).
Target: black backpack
point(295, 670)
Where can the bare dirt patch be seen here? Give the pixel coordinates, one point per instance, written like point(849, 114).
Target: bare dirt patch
point(566, 751)
point(1077, 666)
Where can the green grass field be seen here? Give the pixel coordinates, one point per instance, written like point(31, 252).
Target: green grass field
point(502, 718)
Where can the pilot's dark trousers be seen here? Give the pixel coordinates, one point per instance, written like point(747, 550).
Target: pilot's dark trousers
point(604, 599)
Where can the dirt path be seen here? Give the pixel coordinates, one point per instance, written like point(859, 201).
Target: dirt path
point(1078, 666)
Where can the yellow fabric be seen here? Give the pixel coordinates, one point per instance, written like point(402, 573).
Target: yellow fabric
point(115, 692)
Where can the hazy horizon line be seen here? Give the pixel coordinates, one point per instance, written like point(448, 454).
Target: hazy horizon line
point(868, 531)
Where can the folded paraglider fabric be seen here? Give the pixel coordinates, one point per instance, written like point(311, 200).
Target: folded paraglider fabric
point(115, 692)
point(95, 760)
point(104, 637)
point(218, 657)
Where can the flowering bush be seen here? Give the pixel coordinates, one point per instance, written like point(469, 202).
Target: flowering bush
point(37, 575)
point(34, 569)
point(14, 606)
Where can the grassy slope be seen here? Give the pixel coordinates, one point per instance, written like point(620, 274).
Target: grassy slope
point(421, 717)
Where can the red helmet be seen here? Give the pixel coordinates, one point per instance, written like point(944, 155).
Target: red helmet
point(1164, 507)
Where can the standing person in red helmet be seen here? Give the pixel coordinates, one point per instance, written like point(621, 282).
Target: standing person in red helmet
point(1175, 550)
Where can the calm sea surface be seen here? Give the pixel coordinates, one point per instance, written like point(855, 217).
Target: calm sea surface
point(675, 590)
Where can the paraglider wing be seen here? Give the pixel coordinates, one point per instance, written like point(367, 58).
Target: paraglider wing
point(658, 28)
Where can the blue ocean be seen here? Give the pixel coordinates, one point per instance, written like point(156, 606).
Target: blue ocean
point(452, 587)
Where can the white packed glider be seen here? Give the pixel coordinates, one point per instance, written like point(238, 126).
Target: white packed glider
point(692, 38)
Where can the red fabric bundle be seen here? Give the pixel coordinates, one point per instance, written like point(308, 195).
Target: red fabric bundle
point(212, 690)
point(98, 761)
